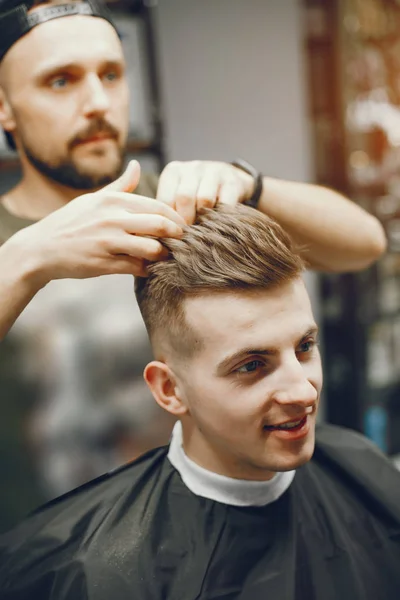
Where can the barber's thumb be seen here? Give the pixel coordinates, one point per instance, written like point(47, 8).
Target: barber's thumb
point(129, 179)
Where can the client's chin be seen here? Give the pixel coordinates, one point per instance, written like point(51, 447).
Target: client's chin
point(294, 458)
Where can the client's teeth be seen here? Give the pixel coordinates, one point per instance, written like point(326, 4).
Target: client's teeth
point(290, 425)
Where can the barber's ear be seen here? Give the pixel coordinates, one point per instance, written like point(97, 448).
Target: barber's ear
point(164, 387)
point(7, 120)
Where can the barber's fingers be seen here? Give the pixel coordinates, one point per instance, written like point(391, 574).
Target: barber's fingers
point(168, 184)
point(186, 197)
point(230, 192)
point(129, 179)
point(122, 264)
point(140, 205)
point(193, 185)
point(129, 254)
point(154, 225)
point(208, 191)
point(138, 247)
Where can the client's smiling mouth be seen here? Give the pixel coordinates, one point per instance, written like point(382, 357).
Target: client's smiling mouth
point(289, 425)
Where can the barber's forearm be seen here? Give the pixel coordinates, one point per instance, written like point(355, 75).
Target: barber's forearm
point(336, 234)
point(18, 282)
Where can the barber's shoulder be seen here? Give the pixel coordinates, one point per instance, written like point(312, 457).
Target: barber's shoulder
point(148, 185)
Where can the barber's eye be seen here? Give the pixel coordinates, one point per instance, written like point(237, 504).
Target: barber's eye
point(110, 76)
point(59, 83)
point(250, 367)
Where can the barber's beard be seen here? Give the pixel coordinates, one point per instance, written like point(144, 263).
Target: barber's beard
point(67, 173)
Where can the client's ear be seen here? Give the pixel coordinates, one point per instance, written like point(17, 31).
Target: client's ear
point(163, 386)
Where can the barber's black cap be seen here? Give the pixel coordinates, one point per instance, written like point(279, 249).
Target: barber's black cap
point(6, 5)
point(15, 22)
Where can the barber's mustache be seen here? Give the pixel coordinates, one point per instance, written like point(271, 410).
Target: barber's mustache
point(99, 126)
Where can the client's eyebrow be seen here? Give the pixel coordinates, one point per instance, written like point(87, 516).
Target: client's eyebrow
point(224, 365)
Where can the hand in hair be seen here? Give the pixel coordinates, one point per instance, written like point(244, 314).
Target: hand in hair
point(190, 186)
point(109, 231)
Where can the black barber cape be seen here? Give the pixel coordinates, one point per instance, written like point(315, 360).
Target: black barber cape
point(140, 534)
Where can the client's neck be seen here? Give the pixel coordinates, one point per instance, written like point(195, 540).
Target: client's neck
point(221, 488)
point(215, 459)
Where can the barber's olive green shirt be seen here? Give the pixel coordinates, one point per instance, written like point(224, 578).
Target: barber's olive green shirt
point(10, 224)
point(20, 489)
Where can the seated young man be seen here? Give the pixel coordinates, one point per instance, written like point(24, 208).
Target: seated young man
point(243, 504)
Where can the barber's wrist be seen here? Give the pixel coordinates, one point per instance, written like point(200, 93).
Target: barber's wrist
point(25, 262)
point(255, 194)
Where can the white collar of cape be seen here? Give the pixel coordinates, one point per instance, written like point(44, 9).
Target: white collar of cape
point(235, 492)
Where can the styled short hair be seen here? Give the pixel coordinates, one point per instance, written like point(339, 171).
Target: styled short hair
point(228, 249)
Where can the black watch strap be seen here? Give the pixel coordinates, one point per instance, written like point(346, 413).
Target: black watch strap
point(253, 201)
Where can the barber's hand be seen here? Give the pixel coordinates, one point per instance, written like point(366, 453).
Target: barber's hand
point(189, 186)
point(109, 231)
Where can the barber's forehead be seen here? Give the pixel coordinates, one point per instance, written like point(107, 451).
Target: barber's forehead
point(71, 38)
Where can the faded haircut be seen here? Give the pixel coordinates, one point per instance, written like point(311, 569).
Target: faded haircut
point(228, 249)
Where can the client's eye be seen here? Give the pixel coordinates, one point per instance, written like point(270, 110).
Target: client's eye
point(306, 346)
point(250, 367)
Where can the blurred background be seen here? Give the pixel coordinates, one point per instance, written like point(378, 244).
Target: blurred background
point(307, 90)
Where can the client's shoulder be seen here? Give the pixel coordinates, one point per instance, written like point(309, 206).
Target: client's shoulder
point(343, 439)
point(356, 459)
point(65, 522)
point(109, 486)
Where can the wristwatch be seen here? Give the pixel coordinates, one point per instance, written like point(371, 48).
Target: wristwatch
point(243, 165)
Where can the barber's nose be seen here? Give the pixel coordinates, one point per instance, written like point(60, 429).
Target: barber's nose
point(96, 99)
